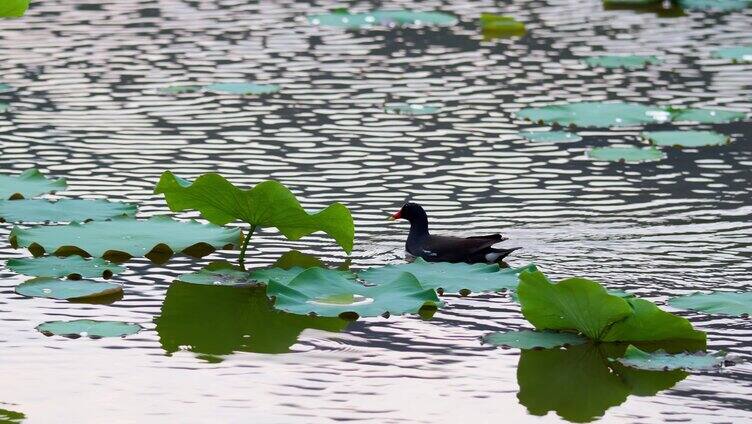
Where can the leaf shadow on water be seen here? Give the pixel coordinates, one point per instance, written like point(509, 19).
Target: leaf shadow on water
point(580, 383)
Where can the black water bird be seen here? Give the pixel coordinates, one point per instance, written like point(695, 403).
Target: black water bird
point(420, 243)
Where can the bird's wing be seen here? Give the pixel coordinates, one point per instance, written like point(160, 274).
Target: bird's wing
point(454, 248)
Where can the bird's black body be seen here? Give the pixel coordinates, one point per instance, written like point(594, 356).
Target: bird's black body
point(421, 243)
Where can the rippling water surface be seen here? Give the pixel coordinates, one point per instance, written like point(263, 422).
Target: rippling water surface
point(85, 104)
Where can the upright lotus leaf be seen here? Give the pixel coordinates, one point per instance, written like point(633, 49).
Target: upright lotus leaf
point(662, 361)
point(30, 183)
point(388, 18)
point(500, 26)
point(411, 108)
point(705, 116)
point(268, 204)
point(572, 304)
point(72, 267)
point(736, 53)
point(450, 277)
point(596, 114)
point(67, 289)
point(526, 339)
point(620, 61)
point(648, 323)
point(550, 136)
point(88, 328)
point(157, 236)
point(13, 8)
point(626, 154)
point(11, 417)
point(63, 210)
point(726, 303)
point(221, 320)
point(242, 88)
point(285, 276)
point(685, 138)
point(315, 291)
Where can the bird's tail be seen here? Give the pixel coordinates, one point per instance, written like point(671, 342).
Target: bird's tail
point(496, 255)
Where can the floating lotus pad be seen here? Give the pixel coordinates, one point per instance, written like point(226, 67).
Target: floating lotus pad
point(596, 114)
point(550, 136)
point(500, 26)
point(285, 276)
point(315, 291)
point(450, 277)
point(737, 53)
point(62, 210)
point(626, 154)
point(28, 184)
point(125, 236)
point(722, 5)
point(13, 8)
point(220, 277)
point(52, 288)
point(705, 116)
point(526, 339)
point(53, 266)
point(180, 89)
point(685, 138)
point(3, 107)
point(88, 328)
point(726, 303)
point(662, 361)
point(242, 88)
point(342, 19)
point(620, 61)
point(411, 108)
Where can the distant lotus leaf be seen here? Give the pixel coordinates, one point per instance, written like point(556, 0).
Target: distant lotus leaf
point(550, 136)
point(649, 323)
point(662, 361)
point(67, 289)
point(221, 320)
point(13, 8)
point(180, 89)
point(450, 277)
point(526, 339)
point(388, 18)
point(705, 116)
point(242, 88)
point(411, 108)
point(285, 276)
point(723, 5)
point(78, 210)
point(268, 204)
point(726, 303)
point(626, 154)
point(685, 138)
point(88, 328)
point(736, 53)
point(315, 291)
point(3, 107)
point(5, 87)
point(620, 61)
point(56, 267)
point(500, 26)
point(30, 183)
point(596, 114)
point(157, 236)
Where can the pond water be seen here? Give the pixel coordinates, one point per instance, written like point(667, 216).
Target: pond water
point(87, 102)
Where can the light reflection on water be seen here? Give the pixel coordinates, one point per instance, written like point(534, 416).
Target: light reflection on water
point(86, 106)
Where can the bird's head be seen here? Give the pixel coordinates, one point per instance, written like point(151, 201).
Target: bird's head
point(409, 211)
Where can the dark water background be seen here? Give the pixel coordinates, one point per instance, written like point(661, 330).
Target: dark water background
point(85, 106)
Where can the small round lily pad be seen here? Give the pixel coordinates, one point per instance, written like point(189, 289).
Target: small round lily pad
point(596, 114)
point(386, 18)
point(88, 328)
point(705, 116)
point(685, 138)
point(550, 136)
point(662, 361)
point(527, 339)
point(411, 108)
point(736, 53)
point(56, 267)
point(242, 88)
point(726, 303)
point(620, 61)
point(52, 288)
point(220, 277)
point(67, 210)
point(626, 154)
point(30, 183)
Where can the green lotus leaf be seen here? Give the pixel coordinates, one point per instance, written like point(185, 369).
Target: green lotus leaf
point(88, 328)
point(30, 183)
point(662, 361)
point(526, 339)
point(386, 18)
point(52, 288)
point(315, 291)
point(220, 274)
point(500, 26)
point(580, 384)
point(411, 108)
point(5, 87)
point(3, 107)
point(550, 136)
point(13, 8)
point(242, 88)
point(268, 204)
point(736, 53)
point(221, 320)
point(705, 116)
point(72, 266)
point(685, 138)
point(450, 277)
point(620, 61)
point(11, 417)
point(180, 89)
point(596, 114)
point(723, 5)
point(649, 323)
point(155, 237)
point(285, 276)
point(626, 154)
point(62, 210)
point(726, 303)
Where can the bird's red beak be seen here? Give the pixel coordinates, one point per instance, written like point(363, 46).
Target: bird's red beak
point(396, 216)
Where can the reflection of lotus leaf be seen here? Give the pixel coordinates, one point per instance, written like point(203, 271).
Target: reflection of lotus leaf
point(727, 303)
point(30, 183)
point(662, 361)
point(620, 61)
point(88, 328)
point(11, 417)
point(53, 266)
point(526, 339)
point(62, 210)
point(67, 289)
point(221, 320)
point(382, 18)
